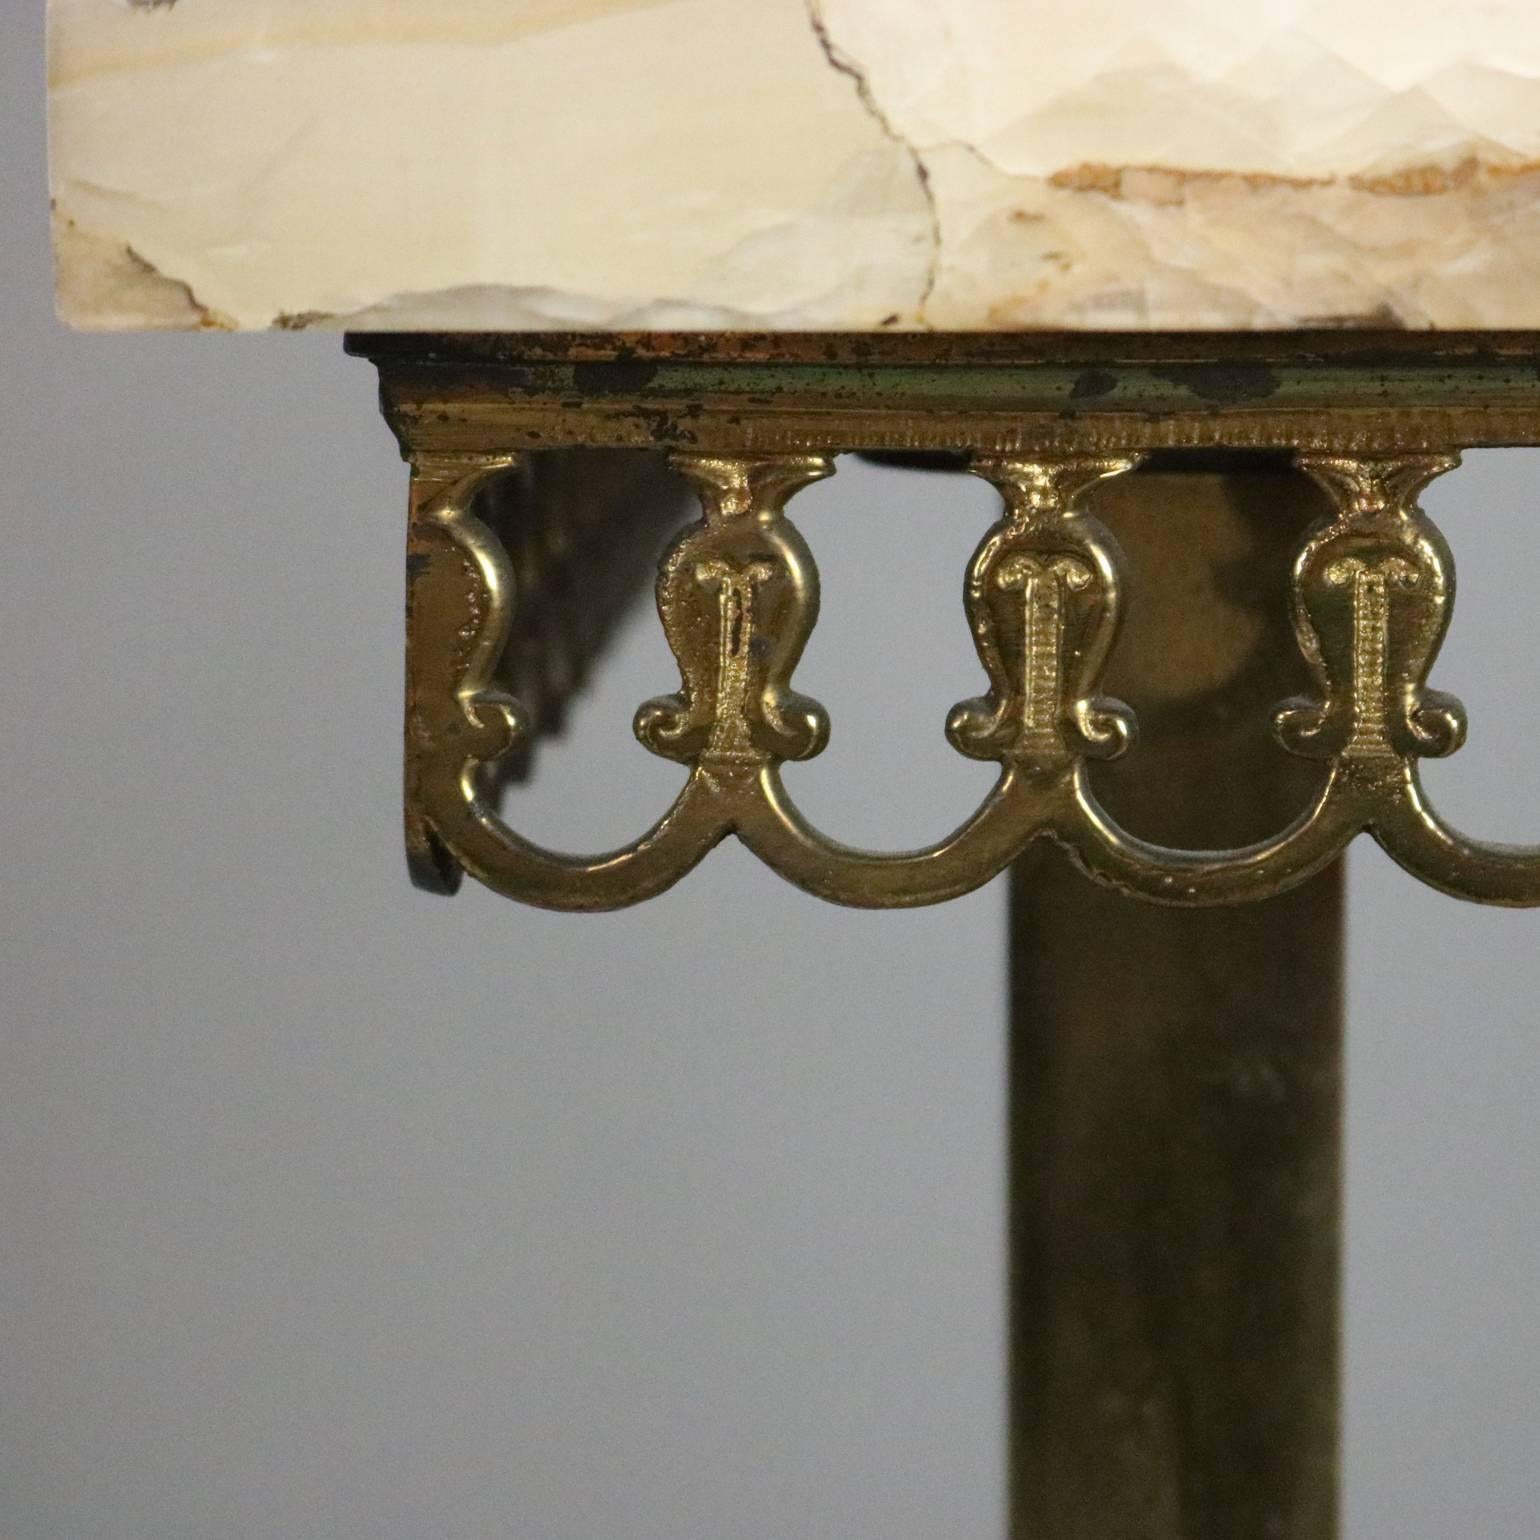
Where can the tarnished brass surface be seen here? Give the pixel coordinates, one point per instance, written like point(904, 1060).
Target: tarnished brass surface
point(1218, 539)
point(1175, 1150)
point(582, 530)
point(1008, 394)
point(1371, 595)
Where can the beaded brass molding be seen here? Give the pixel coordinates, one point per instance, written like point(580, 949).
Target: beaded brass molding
point(737, 593)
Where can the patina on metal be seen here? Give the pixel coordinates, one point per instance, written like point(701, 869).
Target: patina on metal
point(1048, 420)
point(1217, 539)
point(1175, 1080)
point(580, 530)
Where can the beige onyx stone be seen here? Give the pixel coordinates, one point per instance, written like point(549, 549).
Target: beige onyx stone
point(795, 164)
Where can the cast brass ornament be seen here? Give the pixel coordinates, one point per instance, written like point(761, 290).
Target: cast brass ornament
point(1371, 596)
point(738, 597)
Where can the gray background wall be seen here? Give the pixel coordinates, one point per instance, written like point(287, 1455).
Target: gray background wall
point(332, 1210)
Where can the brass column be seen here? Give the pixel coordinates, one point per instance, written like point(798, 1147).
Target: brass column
point(1175, 1079)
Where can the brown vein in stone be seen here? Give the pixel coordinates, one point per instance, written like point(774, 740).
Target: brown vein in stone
point(1169, 184)
point(847, 66)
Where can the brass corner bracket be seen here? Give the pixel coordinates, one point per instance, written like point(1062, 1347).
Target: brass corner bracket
point(748, 425)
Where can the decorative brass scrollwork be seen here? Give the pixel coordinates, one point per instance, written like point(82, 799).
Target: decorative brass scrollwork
point(1372, 593)
point(738, 595)
point(1043, 595)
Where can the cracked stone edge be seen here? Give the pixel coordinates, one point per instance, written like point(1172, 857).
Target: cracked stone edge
point(846, 65)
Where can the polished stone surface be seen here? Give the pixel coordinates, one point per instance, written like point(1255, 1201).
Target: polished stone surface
point(794, 164)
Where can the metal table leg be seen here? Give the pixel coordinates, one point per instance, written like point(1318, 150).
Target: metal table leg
point(1175, 1087)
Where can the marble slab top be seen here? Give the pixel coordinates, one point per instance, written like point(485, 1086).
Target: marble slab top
point(795, 165)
